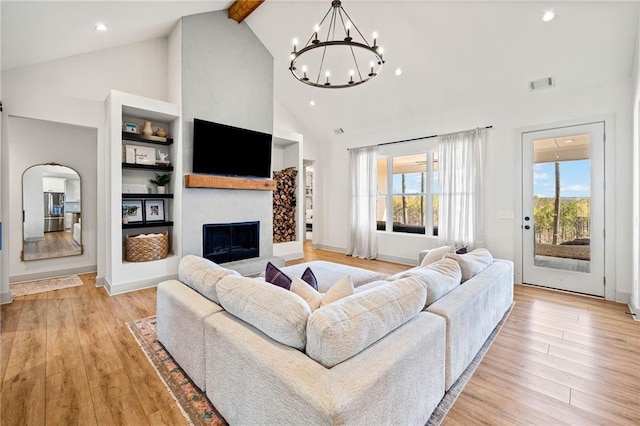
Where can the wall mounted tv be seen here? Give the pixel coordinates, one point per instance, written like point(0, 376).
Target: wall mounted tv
point(219, 149)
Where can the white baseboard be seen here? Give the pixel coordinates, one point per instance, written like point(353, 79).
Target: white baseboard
point(622, 297)
point(52, 273)
point(6, 298)
point(135, 285)
point(635, 310)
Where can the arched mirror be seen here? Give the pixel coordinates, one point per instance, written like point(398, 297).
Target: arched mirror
point(51, 212)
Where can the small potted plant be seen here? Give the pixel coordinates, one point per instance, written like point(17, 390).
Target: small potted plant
point(161, 180)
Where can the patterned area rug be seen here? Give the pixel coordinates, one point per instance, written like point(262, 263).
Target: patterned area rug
point(193, 403)
point(197, 409)
point(40, 286)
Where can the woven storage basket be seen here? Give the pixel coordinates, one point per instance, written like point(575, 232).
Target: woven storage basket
point(147, 248)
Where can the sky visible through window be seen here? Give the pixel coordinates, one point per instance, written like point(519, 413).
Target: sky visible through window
point(575, 179)
point(412, 183)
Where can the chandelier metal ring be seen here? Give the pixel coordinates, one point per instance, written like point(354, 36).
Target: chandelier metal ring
point(364, 60)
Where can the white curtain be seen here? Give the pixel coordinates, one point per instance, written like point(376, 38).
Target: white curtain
point(363, 240)
point(461, 206)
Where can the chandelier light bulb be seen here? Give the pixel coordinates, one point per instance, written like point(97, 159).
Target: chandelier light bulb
point(304, 68)
point(295, 44)
point(375, 39)
point(351, 73)
point(380, 50)
point(101, 27)
point(292, 56)
point(328, 73)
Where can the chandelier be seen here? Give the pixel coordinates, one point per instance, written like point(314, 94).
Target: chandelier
point(343, 59)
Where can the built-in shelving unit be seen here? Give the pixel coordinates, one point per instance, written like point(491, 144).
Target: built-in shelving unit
point(129, 181)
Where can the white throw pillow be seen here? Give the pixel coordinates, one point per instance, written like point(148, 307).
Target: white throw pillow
point(436, 254)
point(342, 288)
point(473, 262)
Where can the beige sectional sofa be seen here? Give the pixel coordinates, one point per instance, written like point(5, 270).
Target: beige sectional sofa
point(383, 355)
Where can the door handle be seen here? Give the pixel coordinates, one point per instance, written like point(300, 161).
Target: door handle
point(527, 218)
point(527, 227)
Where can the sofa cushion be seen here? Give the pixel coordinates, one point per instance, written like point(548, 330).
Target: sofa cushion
point(340, 330)
point(436, 254)
point(202, 275)
point(315, 299)
point(439, 278)
point(473, 262)
point(328, 273)
point(278, 313)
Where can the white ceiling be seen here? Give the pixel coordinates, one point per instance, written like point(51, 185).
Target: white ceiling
point(452, 53)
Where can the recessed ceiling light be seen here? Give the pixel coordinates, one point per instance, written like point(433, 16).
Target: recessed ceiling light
point(548, 16)
point(312, 103)
point(398, 71)
point(101, 27)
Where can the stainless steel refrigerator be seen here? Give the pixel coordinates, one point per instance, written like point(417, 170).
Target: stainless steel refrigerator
point(53, 211)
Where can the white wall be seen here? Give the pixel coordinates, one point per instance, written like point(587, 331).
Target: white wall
point(539, 108)
point(72, 91)
point(37, 142)
point(634, 301)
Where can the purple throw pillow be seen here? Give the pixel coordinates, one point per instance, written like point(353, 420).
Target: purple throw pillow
point(275, 276)
point(310, 278)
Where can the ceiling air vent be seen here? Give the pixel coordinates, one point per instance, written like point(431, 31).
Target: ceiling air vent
point(338, 131)
point(542, 83)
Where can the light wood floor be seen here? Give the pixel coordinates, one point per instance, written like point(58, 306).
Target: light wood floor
point(54, 244)
point(68, 358)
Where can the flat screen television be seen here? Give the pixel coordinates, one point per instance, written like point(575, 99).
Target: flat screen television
point(219, 149)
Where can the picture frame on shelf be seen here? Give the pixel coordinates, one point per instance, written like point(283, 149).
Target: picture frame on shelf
point(145, 155)
point(130, 154)
point(132, 211)
point(154, 210)
point(130, 127)
point(138, 188)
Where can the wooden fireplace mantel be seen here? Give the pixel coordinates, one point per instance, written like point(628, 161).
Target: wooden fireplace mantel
point(227, 182)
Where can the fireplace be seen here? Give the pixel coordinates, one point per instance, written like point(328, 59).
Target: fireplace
point(226, 242)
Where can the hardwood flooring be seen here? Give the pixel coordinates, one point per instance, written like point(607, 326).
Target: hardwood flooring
point(54, 244)
point(67, 357)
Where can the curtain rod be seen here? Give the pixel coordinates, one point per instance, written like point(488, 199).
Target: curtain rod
point(416, 139)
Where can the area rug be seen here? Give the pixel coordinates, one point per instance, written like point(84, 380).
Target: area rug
point(197, 409)
point(40, 286)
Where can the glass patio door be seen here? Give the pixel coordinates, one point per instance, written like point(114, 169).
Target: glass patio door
point(563, 208)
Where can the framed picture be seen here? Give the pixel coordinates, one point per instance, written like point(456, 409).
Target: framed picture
point(132, 211)
point(130, 154)
point(130, 127)
point(145, 155)
point(154, 210)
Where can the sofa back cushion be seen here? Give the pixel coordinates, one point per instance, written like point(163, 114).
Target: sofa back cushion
point(439, 278)
point(436, 254)
point(342, 329)
point(202, 275)
point(473, 262)
point(278, 313)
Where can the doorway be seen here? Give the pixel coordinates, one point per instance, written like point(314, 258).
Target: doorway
point(563, 205)
point(308, 199)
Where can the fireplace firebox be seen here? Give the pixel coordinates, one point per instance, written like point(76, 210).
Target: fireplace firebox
point(226, 242)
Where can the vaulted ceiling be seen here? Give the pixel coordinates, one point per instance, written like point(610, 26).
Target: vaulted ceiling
point(451, 53)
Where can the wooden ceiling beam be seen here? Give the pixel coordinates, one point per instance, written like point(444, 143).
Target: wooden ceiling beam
point(240, 9)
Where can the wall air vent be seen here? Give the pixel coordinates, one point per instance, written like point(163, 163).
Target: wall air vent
point(542, 83)
point(338, 131)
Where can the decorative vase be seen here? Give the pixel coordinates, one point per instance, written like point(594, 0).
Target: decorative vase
point(125, 219)
point(161, 189)
point(147, 130)
point(161, 132)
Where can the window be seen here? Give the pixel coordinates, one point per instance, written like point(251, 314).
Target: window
point(408, 186)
